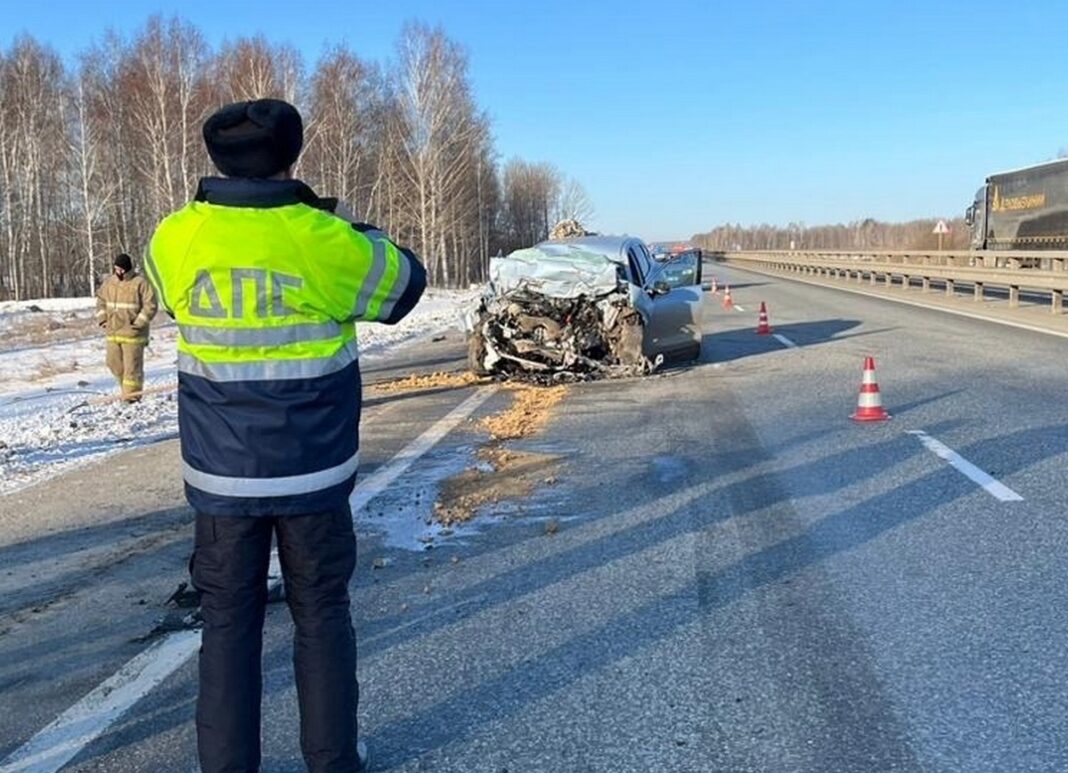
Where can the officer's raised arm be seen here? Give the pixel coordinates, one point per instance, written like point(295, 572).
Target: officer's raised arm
point(395, 282)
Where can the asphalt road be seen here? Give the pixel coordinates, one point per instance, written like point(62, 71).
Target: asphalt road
point(740, 577)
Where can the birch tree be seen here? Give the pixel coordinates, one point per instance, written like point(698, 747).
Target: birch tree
point(93, 158)
point(165, 79)
point(439, 132)
point(345, 113)
point(254, 68)
point(32, 143)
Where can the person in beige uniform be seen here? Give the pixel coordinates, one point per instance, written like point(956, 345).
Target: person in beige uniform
point(125, 305)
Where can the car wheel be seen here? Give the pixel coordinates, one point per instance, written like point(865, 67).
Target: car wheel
point(476, 355)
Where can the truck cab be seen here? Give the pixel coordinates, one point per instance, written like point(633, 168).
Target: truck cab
point(975, 219)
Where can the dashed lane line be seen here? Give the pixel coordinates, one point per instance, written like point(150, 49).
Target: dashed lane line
point(991, 485)
point(88, 719)
point(784, 341)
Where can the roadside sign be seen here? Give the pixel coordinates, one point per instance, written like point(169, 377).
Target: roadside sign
point(941, 229)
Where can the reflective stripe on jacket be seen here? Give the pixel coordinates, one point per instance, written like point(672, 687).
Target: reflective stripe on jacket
point(266, 287)
point(126, 307)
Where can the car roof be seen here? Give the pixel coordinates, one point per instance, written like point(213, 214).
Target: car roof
point(612, 247)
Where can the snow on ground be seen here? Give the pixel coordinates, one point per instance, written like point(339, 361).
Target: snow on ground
point(14, 308)
point(55, 411)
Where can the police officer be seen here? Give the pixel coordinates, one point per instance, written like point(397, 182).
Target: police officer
point(267, 284)
point(125, 305)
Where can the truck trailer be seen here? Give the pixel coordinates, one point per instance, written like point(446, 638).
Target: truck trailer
point(1025, 209)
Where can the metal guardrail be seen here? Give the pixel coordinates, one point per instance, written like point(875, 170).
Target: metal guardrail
point(1032, 271)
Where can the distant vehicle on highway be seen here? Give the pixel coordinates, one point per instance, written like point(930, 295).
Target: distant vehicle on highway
point(586, 307)
point(1022, 209)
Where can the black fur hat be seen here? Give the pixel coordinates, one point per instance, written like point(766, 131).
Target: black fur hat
point(254, 139)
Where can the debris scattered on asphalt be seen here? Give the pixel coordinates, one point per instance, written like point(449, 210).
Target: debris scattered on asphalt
point(421, 381)
point(502, 475)
point(173, 621)
point(528, 414)
point(276, 592)
point(380, 563)
point(185, 597)
point(551, 527)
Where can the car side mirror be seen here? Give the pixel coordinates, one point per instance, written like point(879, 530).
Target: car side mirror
point(660, 287)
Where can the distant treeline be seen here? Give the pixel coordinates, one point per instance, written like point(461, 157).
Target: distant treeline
point(93, 152)
point(866, 234)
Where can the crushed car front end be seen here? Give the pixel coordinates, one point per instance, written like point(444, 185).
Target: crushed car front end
point(558, 312)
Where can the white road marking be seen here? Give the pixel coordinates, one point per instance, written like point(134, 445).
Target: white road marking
point(784, 341)
point(994, 487)
point(88, 719)
point(738, 308)
point(376, 483)
point(82, 723)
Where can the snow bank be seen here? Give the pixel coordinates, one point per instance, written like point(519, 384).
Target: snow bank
point(60, 438)
point(8, 308)
point(54, 413)
point(52, 313)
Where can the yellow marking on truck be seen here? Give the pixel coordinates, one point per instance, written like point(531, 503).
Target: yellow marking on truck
point(1015, 203)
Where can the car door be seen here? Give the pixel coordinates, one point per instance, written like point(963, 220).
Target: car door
point(644, 299)
point(675, 287)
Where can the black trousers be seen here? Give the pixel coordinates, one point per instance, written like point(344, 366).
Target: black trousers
point(230, 562)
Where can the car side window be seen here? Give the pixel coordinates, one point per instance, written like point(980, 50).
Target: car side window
point(637, 268)
point(644, 249)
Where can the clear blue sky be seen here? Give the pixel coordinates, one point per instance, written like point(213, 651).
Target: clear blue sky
point(678, 116)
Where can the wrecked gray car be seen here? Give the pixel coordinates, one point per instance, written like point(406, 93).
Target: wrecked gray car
point(582, 308)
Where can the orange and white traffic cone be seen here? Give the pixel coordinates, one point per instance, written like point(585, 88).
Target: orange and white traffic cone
point(715, 287)
point(870, 401)
point(763, 328)
point(728, 302)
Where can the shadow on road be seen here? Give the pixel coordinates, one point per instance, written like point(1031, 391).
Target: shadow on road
point(739, 343)
point(732, 482)
point(628, 634)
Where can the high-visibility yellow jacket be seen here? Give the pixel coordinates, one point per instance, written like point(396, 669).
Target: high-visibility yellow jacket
point(125, 307)
point(266, 286)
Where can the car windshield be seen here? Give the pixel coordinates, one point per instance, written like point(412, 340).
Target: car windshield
point(556, 270)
